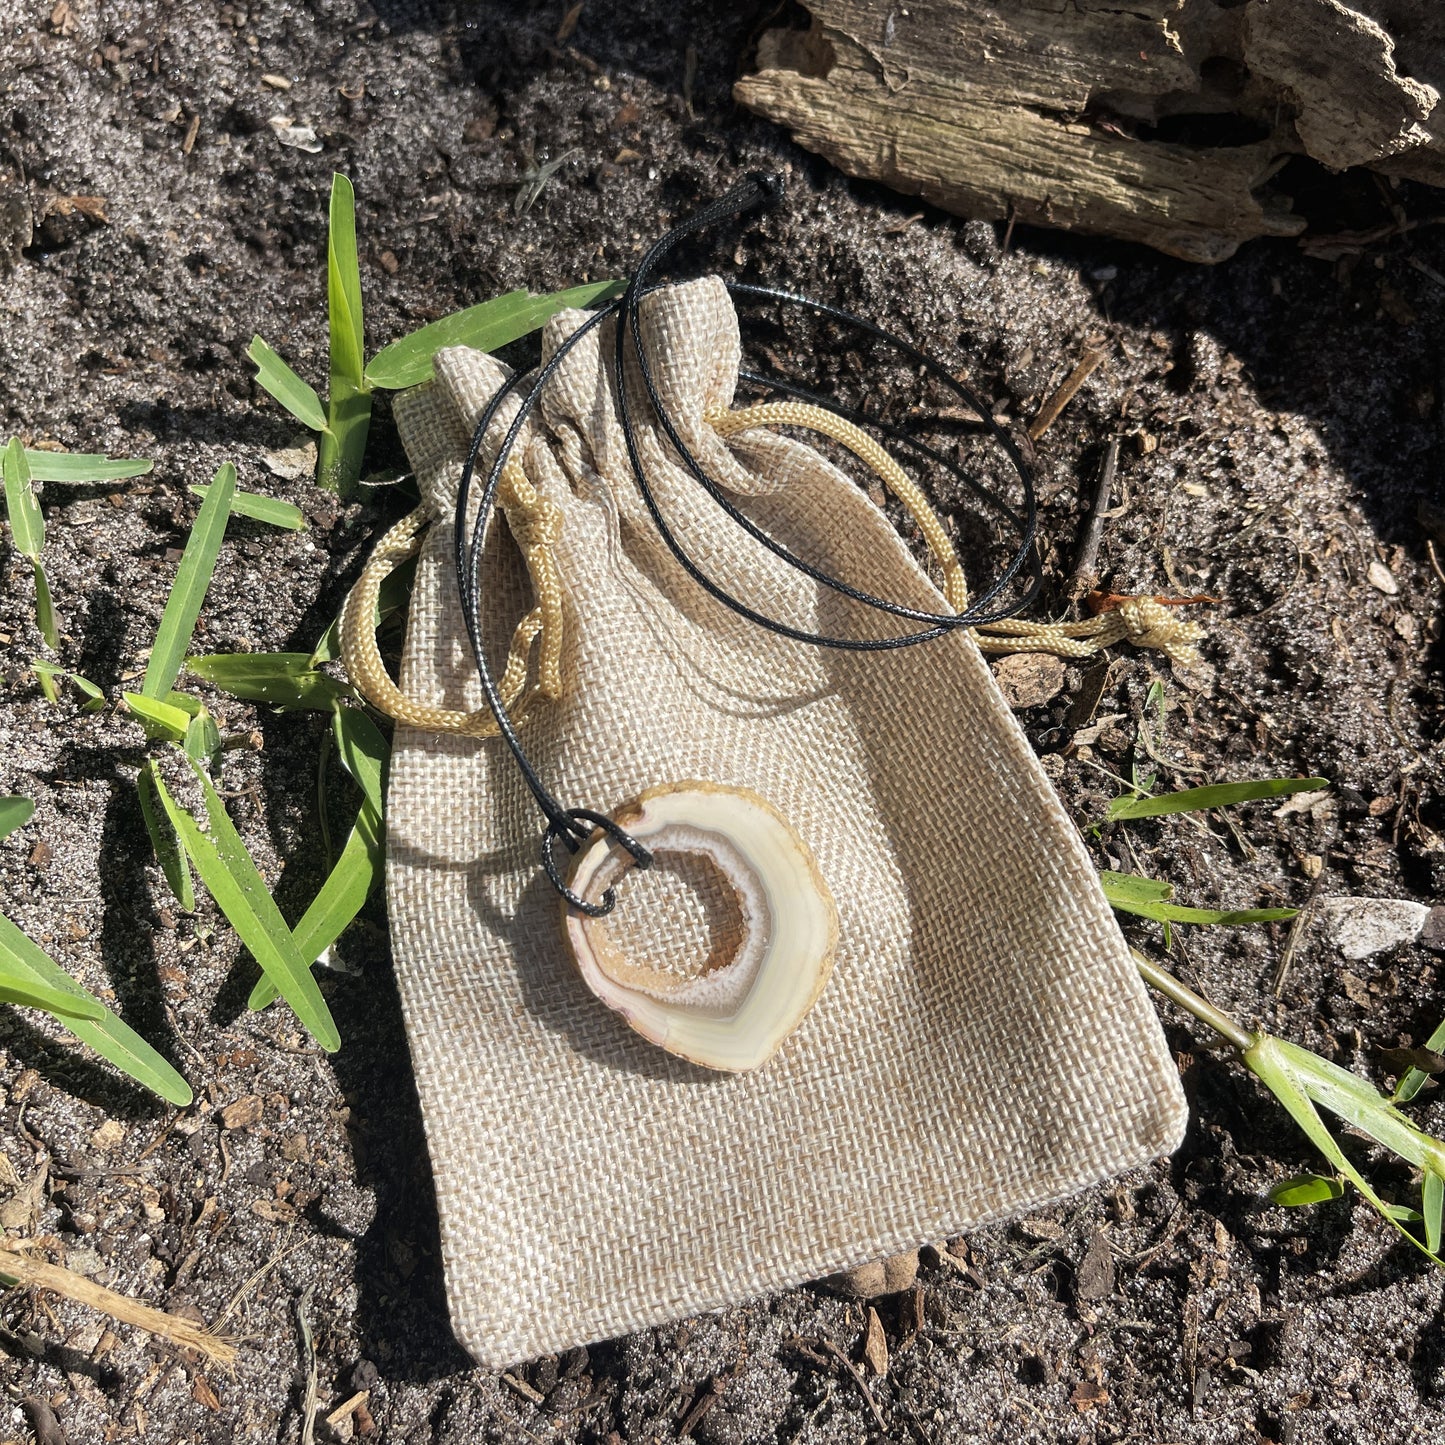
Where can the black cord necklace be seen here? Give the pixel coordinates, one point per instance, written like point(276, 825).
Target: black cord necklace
point(574, 826)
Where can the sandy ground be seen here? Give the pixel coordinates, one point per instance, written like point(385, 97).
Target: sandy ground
point(1283, 417)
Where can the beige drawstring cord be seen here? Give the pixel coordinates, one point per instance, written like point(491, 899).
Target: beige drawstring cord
point(1144, 621)
point(536, 524)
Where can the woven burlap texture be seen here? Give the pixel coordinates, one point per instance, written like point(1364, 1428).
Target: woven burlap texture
point(984, 1044)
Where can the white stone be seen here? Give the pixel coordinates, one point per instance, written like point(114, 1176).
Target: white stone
point(1382, 579)
point(1363, 927)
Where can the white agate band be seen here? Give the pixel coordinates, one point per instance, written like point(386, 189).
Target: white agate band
point(734, 1017)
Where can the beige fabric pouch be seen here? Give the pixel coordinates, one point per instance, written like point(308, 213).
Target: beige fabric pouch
point(984, 1044)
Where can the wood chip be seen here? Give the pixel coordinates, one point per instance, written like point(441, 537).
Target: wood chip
point(568, 26)
point(109, 1136)
point(36, 1274)
point(522, 1388)
point(1029, 679)
point(348, 1407)
point(1087, 1395)
point(243, 1113)
point(875, 1344)
point(1095, 1276)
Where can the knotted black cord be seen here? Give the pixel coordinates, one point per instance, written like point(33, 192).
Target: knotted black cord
point(568, 824)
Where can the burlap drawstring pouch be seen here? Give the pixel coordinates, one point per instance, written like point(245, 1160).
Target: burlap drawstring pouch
point(983, 1043)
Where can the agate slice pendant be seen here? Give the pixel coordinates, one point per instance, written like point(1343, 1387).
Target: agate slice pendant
point(733, 1016)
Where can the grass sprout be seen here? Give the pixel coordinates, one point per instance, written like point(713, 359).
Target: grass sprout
point(214, 850)
point(1413, 1080)
point(50, 677)
point(14, 813)
point(1301, 1080)
point(341, 897)
point(164, 838)
point(285, 680)
point(486, 327)
point(162, 720)
point(27, 533)
point(234, 882)
point(81, 467)
point(1214, 795)
point(1305, 1083)
point(1148, 898)
point(344, 421)
point(29, 976)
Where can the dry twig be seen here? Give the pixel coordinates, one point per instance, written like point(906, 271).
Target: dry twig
point(36, 1274)
point(1049, 412)
point(311, 1404)
point(1296, 934)
point(1086, 561)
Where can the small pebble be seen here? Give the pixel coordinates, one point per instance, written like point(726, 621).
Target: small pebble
point(1382, 579)
point(296, 463)
point(881, 1276)
point(1363, 927)
point(109, 1136)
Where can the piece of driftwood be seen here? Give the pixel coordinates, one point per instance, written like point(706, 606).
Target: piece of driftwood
point(1165, 122)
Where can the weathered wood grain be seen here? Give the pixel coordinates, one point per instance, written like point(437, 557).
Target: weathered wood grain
point(1163, 123)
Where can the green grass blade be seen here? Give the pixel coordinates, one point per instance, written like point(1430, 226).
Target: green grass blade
point(1306, 1189)
point(392, 596)
point(1432, 1206)
point(106, 1034)
point(94, 697)
point(275, 377)
point(1123, 888)
point(239, 891)
point(343, 289)
point(45, 607)
point(342, 447)
point(64, 1006)
point(84, 467)
point(1263, 1059)
point(164, 839)
point(1167, 913)
point(15, 812)
point(1361, 1105)
point(161, 720)
point(47, 672)
point(27, 526)
point(347, 887)
point(364, 753)
point(193, 707)
point(1216, 795)
point(486, 327)
point(193, 577)
point(271, 510)
point(1416, 1079)
point(203, 740)
point(283, 679)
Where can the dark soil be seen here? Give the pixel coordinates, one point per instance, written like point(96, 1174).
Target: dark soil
point(1283, 417)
